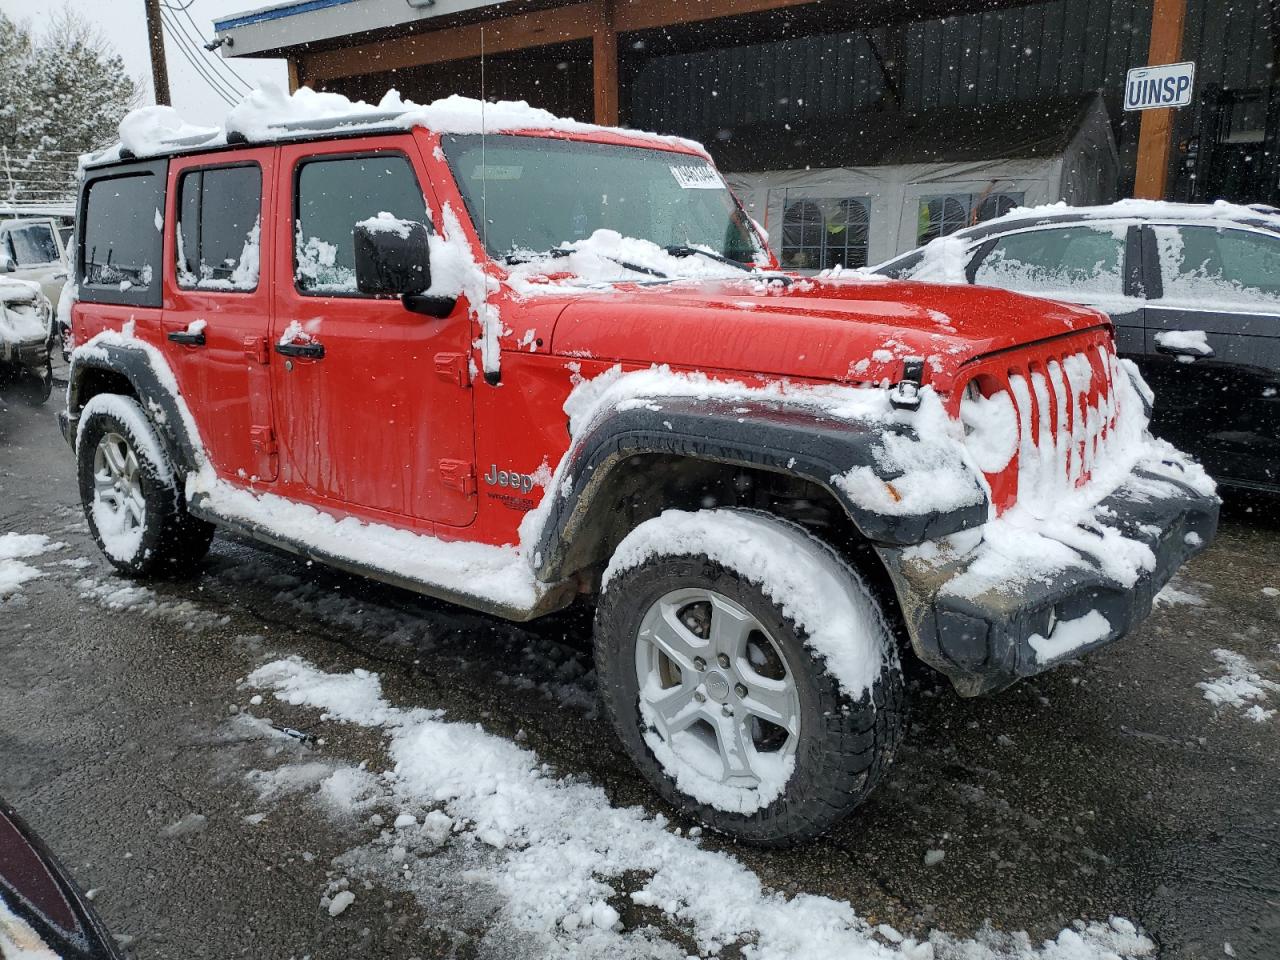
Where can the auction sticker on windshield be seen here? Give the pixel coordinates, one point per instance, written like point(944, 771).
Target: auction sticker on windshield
point(697, 176)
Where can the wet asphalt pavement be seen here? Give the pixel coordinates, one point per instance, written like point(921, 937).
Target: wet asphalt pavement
point(1109, 786)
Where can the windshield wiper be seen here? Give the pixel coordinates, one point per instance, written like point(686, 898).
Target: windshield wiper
point(686, 250)
point(559, 252)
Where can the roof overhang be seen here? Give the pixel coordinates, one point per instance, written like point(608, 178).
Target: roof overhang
point(269, 30)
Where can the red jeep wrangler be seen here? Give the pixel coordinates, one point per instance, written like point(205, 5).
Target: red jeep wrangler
point(512, 361)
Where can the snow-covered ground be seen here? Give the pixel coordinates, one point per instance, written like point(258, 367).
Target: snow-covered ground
point(1243, 686)
point(14, 549)
point(558, 858)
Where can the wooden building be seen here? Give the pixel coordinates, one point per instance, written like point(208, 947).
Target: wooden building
point(763, 82)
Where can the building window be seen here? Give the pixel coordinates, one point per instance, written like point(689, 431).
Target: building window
point(944, 214)
point(822, 234)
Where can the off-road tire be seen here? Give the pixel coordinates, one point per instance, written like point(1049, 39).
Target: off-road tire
point(172, 542)
point(845, 745)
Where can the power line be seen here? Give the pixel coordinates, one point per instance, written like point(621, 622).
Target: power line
point(186, 11)
point(221, 87)
point(197, 65)
point(196, 46)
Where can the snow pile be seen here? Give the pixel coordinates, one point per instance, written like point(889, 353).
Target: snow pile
point(1242, 686)
point(14, 548)
point(606, 257)
point(553, 851)
point(144, 130)
point(113, 594)
point(386, 223)
point(820, 593)
point(1154, 209)
point(243, 276)
point(264, 113)
point(1188, 344)
point(270, 113)
point(945, 260)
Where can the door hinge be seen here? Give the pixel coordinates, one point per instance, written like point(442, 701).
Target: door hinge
point(255, 349)
point(460, 475)
point(263, 440)
point(453, 368)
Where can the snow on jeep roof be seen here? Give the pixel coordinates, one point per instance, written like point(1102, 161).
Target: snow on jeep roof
point(269, 114)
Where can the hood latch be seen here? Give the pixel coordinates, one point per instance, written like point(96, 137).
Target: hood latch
point(905, 394)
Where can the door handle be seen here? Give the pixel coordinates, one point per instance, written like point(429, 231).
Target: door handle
point(187, 339)
point(310, 351)
point(1174, 351)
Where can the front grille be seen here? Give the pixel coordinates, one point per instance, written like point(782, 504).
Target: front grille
point(1066, 417)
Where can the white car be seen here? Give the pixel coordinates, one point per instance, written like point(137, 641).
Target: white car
point(26, 339)
point(34, 248)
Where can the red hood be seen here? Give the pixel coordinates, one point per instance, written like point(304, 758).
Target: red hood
point(849, 331)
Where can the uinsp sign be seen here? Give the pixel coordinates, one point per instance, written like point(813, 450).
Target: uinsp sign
point(1170, 85)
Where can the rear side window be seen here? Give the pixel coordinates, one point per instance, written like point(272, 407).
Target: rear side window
point(120, 253)
point(332, 197)
point(1209, 267)
point(219, 227)
point(1071, 262)
point(33, 244)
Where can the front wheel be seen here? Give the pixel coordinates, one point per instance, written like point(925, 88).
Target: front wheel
point(749, 672)
point(131, 497)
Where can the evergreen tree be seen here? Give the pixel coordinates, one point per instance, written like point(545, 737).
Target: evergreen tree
point(62, 94)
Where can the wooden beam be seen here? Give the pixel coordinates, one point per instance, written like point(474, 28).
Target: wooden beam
point(295, 75)
point(580, 21)
point(604, 64)
point(506, 35)
point(650, 14)
point(1155, 136)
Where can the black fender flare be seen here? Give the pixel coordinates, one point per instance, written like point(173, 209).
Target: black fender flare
point(762, 434)
point(136, 365)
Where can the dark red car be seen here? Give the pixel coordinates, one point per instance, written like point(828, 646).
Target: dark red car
point(42, 911)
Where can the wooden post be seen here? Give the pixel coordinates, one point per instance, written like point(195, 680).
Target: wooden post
point(604, 65)
point(155, 40)
point(295, 74)
point(1155, 136)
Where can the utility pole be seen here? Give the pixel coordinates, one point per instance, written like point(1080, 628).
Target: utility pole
point(155, 36)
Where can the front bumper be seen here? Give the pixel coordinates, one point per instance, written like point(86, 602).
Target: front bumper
point(32, 354)
point(986, 642)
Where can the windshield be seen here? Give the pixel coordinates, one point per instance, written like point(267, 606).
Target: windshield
point(541, 194)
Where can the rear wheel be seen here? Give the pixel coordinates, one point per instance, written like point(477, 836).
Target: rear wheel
point(131, 498)
point(36, 387)
point(720, 696)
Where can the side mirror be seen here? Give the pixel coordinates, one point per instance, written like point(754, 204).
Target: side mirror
point(393, 260)
point(8, 265)
point(392, 256)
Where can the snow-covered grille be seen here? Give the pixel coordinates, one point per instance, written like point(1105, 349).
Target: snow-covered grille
point(1065, 410)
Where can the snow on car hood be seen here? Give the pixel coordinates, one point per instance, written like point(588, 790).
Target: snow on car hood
point(24, 312)
point(824, 329)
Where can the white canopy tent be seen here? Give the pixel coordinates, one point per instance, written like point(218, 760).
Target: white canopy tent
point(930, 179)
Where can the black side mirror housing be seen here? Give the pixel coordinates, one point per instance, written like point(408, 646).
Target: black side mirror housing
point(392, 257)
point(9, 265)
point(393, 260)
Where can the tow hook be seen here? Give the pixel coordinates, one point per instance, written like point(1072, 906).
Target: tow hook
point(905, 394)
